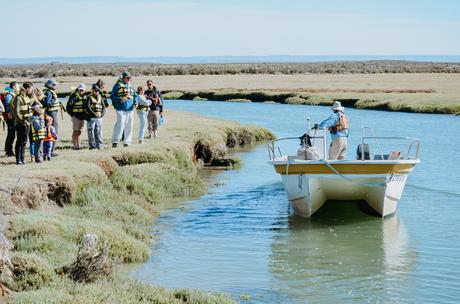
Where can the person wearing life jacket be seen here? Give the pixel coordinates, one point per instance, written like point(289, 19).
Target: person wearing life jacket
point(37, 131)
point(95, 109)
point(104, 94)
point(142, 111)
point(7, 98)
point(51, 102)
point(37, 101)
point(156, 108)
point(50, 139)
point(76, 109)
point(22, 112)
point(124, 101)
point(338, 126)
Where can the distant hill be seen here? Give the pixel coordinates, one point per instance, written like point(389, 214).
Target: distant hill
point(228, 59)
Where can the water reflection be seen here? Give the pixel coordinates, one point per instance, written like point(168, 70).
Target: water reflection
point(342, 254)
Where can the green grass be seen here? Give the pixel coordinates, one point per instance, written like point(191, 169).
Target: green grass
point(115, 289)
point(157, 182)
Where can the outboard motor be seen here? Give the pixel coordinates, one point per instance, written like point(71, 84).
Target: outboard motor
point(363, 149)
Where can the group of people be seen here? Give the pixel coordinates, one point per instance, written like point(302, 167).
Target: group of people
point(31, 115)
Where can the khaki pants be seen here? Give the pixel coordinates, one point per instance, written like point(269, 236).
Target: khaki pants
point(338, 148)
point(154, 120)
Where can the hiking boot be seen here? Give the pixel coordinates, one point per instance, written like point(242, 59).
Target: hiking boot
point(114, 145)
point(126, 145)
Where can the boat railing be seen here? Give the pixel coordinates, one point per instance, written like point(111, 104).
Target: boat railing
point(274, 149)
point(409, 151)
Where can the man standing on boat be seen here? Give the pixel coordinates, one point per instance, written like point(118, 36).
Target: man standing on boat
point(338, 125)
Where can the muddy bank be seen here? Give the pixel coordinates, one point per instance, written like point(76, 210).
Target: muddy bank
point(115, 194)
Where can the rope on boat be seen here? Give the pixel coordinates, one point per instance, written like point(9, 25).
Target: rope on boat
point(348, 179)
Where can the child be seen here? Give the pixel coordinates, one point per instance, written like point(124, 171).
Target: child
point(37, 130)
point(50, 138)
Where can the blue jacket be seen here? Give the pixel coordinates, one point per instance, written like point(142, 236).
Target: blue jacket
point(8, 99)
point(119, 90)
point(331, 121)
point(49, 100)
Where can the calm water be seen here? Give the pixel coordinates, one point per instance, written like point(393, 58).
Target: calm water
point(242, 237)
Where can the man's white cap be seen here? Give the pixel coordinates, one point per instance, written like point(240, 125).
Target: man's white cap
point(82, 87)
point(337, 106)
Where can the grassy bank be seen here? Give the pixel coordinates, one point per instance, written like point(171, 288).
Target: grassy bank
point(360, 100)
point(409, 92)
point(114, 193)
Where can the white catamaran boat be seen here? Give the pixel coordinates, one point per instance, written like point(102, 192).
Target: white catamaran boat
point(377, 179)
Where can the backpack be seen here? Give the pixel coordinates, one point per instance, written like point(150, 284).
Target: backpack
point(3, 106)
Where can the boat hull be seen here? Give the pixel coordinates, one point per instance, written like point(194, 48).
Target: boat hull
point(309, 186)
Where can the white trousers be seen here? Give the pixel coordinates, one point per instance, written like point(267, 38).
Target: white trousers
point(123, 126)
point(142, 123)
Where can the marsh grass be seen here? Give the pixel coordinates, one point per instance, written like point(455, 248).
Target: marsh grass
point(116, 289)
point(393, 100)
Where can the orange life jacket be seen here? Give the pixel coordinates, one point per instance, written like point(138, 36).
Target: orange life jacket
point(341, 125)
point(49, 135)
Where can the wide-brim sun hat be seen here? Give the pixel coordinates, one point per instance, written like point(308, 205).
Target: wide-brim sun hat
point(337, 106)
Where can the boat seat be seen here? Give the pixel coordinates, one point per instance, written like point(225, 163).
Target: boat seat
point(363, 149)
point(379, 157)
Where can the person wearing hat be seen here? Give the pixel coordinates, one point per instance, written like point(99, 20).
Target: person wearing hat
point(22, 112)
point(95, 109)
point(51, 103)
point(37, 128)
point(338, 126)
point(124, 101)
point(76, 109)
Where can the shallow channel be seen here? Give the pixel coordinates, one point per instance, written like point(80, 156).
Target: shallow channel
point(242, 237)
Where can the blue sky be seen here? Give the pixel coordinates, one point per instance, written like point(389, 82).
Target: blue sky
point(138, 28)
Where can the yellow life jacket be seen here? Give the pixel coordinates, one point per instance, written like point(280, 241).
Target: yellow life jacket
point(342, 124)
point(77, 103)
point(124, 90)
point(95, 103)
point(39, 134)
point(25, 108)
point(55, 106)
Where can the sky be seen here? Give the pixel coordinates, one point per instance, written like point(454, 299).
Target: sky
point(151, 28)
